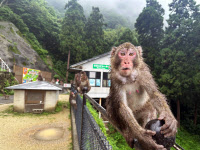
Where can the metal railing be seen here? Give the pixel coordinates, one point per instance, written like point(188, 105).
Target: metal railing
point(4, 66)
point(90, 136)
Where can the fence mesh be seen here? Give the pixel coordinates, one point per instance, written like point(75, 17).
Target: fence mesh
point(92, 136)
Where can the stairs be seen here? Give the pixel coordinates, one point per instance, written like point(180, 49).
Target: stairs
point(4, 66)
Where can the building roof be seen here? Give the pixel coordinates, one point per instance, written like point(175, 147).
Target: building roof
point(37, 85)
point(91, 59)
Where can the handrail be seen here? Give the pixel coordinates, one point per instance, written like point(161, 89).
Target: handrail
point(4, 66)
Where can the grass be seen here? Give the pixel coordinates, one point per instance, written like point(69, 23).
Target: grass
point(187, 141)
point(59, 107)
point(116, 140)
point(183, 138)
point(14, 49)
point(2, 36)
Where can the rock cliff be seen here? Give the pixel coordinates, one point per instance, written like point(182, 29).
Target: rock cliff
point(14, 49)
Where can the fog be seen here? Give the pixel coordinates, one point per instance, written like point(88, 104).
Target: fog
point(128, 8)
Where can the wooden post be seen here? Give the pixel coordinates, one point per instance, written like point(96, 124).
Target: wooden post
point(100, 105)
point(67, 73)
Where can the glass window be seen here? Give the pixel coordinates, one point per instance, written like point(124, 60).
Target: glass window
point(92, 75)
point(98, 82)
point(106, 79)
point(98, 75)
point(92, 82)
point(108, 83)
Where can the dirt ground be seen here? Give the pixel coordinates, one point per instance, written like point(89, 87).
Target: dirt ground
point(18, 132)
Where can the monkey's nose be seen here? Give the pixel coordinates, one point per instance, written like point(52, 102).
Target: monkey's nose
point(126, 62)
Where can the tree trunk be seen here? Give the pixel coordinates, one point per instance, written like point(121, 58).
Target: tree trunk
point(178, 112)
point(195, 113)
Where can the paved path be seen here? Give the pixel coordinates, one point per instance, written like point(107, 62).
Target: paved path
point(6, 101)
point(18, 132)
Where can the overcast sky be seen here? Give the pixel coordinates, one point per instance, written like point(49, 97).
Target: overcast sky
point(130, 8)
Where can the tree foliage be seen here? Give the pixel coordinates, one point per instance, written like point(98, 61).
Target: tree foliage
point(72, 32)
point(40, 19)
point(149, 26)
point(94, 35)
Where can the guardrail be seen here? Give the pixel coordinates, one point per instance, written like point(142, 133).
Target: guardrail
point(4, 66)
point(90, 135)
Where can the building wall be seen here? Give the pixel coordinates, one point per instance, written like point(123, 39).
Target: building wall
point(19, 100)
point(103, 61)
point(51, 100)
point(98, 92)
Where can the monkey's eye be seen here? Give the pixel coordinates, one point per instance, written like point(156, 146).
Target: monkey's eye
point(122, 54)
point(131, 54)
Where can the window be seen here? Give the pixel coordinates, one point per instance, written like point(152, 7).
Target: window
point(94, 78)
point(106, 79)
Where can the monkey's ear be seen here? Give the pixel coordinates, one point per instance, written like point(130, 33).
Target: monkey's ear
point(140, 50)
point(113, 51)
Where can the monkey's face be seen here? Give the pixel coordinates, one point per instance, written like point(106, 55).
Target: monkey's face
point(126, 57)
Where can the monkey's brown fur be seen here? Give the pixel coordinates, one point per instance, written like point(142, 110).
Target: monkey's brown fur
point(134, 98)
point(81, 81)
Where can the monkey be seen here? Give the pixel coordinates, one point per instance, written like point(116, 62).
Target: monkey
point(84, 82)
point(77, 80)
point(134, 99)
point(73, 99)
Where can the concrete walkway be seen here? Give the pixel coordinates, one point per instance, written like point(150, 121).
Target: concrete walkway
point(6, 101)
point(18, 132)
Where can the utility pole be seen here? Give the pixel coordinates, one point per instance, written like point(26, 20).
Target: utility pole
point(67, 73)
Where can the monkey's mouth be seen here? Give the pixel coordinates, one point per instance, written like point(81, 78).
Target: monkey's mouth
point(125, 68)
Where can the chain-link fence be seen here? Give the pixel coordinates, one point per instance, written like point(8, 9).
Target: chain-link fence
point(90, 136)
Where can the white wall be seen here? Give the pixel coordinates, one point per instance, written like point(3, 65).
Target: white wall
point(104, 61)
point(98, 92)
point(19, 100)
point(50, 100)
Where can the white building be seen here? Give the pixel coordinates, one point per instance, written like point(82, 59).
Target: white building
point(97, 70)
point(35, 96)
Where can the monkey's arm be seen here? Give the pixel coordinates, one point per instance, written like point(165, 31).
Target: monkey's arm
point(88, 85)
point(159, 101)
point(123, 118)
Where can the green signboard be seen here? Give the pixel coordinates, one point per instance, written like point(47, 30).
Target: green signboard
point(100, 66)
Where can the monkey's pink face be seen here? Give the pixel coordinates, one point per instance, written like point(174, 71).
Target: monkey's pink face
point(127, 57)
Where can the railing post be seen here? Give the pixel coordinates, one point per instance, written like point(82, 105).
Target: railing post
point(82, 119)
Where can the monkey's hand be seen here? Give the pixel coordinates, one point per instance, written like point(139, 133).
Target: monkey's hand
point(170, 126)
point(147, 143)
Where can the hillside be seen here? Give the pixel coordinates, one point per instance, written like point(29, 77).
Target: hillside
point(15, 49)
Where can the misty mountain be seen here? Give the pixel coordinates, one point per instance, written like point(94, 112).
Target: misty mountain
point(115, 13)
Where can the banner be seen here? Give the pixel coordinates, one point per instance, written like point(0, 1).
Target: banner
point(29, 75)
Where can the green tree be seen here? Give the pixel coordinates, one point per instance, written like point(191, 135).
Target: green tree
point(94, 35)
point(72, 32)
point(181, 24)
point(174, 81)
point(149, 26)
point(127, 36)
point(181, 35)
point(40, 19)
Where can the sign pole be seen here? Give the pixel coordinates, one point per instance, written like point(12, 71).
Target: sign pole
point(67, 73)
